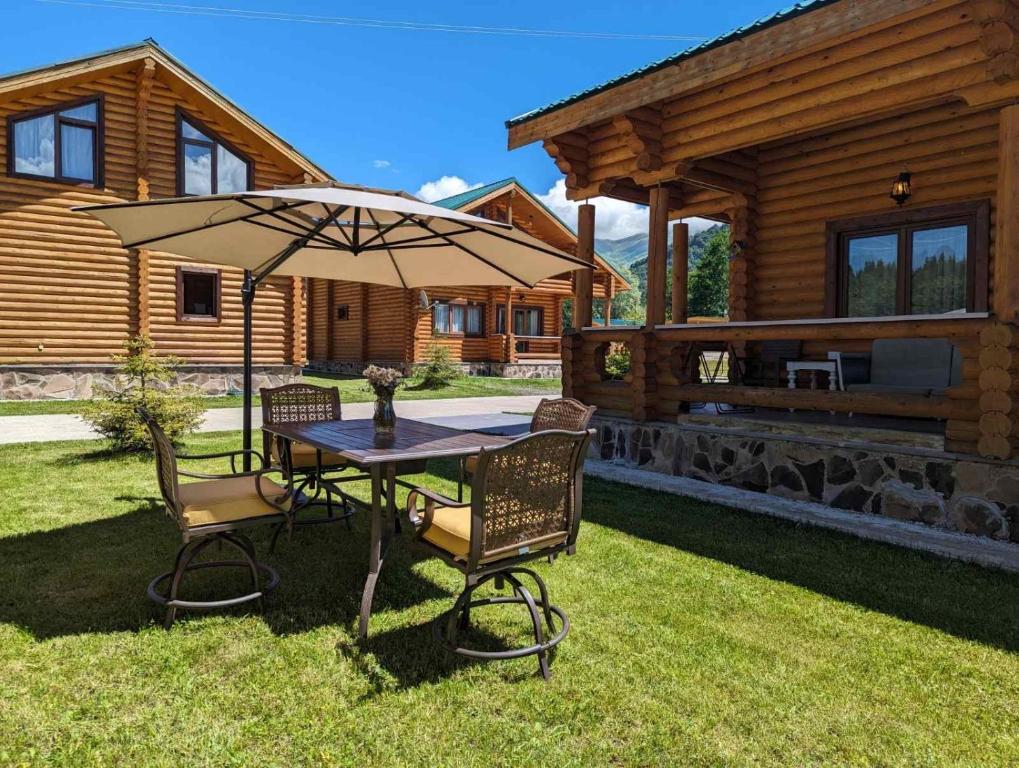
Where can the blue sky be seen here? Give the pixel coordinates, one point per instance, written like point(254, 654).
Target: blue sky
point(390, 107)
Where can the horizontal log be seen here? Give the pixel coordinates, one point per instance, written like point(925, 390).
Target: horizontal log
point(824, 400)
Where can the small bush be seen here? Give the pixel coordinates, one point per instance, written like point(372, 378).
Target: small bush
point(617, 363)
point(439, 369)
point(143, 379)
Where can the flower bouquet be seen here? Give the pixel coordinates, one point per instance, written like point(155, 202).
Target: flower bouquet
point(383, 382)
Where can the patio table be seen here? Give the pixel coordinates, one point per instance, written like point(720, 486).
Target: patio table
point(357, 441)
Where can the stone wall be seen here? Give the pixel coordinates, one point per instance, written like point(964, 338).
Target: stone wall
point(77, 382)
point(503, 370)
point(951, 491)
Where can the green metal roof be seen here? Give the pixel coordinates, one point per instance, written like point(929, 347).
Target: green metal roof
point(456, 202)
point(768, 21)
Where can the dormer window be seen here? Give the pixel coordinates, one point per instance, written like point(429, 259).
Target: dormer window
point(62, 143)
point(207, 165)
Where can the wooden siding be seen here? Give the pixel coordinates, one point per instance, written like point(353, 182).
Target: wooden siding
point(806, 183)
point(70, 294)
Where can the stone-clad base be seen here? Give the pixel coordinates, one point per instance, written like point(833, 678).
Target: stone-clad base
point(951, 491)
point(77, 382)
point(551, 370)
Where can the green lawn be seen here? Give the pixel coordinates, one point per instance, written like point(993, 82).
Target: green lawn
point(351, 391)
point(701, 636)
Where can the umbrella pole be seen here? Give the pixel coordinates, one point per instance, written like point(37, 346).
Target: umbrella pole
point(247, 298)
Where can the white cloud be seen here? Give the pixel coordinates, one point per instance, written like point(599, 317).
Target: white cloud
point(447, 186)
point(381, 164)
point(613, 220)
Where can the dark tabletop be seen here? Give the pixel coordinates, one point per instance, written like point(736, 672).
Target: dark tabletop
point(356, 440)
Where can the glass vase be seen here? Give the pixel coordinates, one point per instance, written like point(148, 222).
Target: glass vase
point(385, 416)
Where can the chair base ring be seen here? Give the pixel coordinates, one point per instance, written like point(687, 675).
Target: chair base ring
point(513, 653)
point(209, 605)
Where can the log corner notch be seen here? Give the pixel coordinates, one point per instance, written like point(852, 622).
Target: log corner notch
point(999, 37)
point(743, 244)
point(569, 151)
point(641, 130)
point(999, 422)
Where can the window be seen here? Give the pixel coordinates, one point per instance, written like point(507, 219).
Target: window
point(198, 294)
point(207, 165)
point(919, 262)
point(528, 321)
point(343, 312)
point(62, 143)
point(458, 319)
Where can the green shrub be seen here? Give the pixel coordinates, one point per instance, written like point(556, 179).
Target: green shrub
point(617, 363)
point(439, 369)
point(143, 379)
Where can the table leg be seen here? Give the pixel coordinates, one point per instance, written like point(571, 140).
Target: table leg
point(813, 379)
point(461, 473)
point(791, 377)
point(381, 525)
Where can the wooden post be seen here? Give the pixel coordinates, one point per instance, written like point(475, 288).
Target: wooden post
point(364, 324)
point(680, 266)
point(583, 279)
point(658, 240)
point(298, 354)
point(1006, 256)
point(511, 349)
point(143, 80)
point(610, 294)
point(330, 318)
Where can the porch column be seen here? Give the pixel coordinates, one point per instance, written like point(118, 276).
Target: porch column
point(1006, 256)
point(583, 279)
point(610, 294)
point(658, 239)
point(511, 345)
point(680, 266)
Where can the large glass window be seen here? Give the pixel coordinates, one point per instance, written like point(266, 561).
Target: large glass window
point(924, 262)
point(206, 164)
point(527, 321)
point(458, 319)
point(63, 143)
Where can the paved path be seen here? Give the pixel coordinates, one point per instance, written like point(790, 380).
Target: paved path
point(461, 413)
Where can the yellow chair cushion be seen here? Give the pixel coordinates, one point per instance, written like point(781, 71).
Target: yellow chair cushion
point(450, 530)
point(471, 465)
point(227, 500)
point(304, 456)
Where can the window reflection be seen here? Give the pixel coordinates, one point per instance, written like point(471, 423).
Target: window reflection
point(938, 282)
point(871, 275)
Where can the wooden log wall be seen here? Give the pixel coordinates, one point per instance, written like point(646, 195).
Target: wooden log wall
point(70, 294)
point(803, 184)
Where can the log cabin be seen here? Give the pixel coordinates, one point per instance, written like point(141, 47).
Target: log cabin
point(865, 154)
point(128, 124)
point(487, 330)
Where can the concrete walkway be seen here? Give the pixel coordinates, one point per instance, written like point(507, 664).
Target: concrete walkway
point(460, 413)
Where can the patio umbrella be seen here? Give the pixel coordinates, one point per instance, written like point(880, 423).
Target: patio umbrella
point(335, 232)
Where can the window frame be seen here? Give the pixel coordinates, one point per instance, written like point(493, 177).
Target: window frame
point(529, 308)
point(975, 214)
point(449, 304)
point(182, 141)
point(217, 274)
point(98, 146)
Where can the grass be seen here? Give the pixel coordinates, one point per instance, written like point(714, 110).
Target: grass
point(352, 390)
point(701, 636)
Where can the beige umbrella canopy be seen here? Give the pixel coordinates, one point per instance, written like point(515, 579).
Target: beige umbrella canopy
point(337, 232)
point(340, 233)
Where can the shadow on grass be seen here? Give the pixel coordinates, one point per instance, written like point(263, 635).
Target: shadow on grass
point(92, 577)
point(964, 600)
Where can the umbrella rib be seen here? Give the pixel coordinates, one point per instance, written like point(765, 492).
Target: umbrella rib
point(378, 235)
point(245, 218)
point(479, 257)
point(267, 266)
point(304, 225)
point(167, 201)
point(548, 251)
point(396, 266)
point(350, 245)
point(411, 240)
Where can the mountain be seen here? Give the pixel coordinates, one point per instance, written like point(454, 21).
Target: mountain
point(622, 252)
point(629, 251)
point(697, 242)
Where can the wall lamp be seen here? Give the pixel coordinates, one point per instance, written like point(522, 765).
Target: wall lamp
point(902, 188)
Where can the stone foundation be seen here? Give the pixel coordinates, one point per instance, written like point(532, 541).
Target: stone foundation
point(951, 491)
point(504, 370)
point(77, 382)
